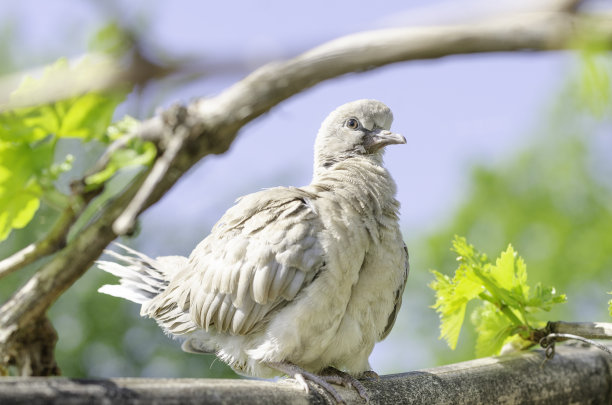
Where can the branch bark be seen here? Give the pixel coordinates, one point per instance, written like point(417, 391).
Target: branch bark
point(208, 126)
point(576, 375)
point(589, 330)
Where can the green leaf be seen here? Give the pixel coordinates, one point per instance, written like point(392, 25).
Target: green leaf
point(21, 166)
point(28, 136)
point(452, 297)
point(111, 39)
point(503, 272)
point(28, 124)
point(81, 116)
point(88, 116)
point(544, 298)
point(140, 156)
point(466, 253)
point(511, 273)
point(610, 304)
point(502, 288)
point(122, 127)
point(135, 153)
point(493, 328)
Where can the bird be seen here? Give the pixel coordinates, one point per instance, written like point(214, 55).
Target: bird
point(301, 281)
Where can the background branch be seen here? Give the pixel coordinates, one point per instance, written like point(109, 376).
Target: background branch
point(108, 73)
point(275, 82)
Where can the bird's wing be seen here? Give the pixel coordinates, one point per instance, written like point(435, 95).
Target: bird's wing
point(259, 255)
point(398, 297)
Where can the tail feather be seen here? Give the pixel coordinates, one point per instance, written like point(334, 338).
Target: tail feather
point(121, 291)
point(141, 278)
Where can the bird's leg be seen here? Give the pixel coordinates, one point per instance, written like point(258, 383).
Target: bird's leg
point(342, 378)
point(302, 377)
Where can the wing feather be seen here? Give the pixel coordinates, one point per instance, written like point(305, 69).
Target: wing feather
point(259, 255)
point(295, 285)
point(278, 281)
point(398, 297)
point(211, 308)
point(261, 283)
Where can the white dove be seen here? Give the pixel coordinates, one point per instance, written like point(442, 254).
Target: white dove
point(300, 281)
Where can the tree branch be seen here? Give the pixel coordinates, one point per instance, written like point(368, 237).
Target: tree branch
point(53, 242)
point(577, 375)
point(175, 144)
point(32, 300)
point(272, 83)
point(221, 117)
point(589, 330)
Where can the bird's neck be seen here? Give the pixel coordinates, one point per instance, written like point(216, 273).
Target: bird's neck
point(362, 180)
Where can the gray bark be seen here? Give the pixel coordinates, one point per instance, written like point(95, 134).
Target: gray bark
point(576, 375)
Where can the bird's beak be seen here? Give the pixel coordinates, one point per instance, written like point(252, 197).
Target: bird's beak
point(382, 138)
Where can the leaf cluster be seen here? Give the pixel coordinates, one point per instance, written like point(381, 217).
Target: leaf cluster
point(506, 303)
point(29, 136)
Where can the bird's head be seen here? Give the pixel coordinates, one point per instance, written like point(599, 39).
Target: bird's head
point(358, 128)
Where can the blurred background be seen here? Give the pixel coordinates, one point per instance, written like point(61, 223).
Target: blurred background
point(502, 148)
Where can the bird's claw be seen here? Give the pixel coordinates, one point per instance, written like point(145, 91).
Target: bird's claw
point(330, 376)
point(371, 375)
point(338, 377)
point(302, 382)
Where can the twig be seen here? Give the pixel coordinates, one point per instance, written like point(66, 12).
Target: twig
point(116, 145)
point(548, 343)
point(582, 331)
point(569, 5)
point(53, 242)
point(176, 142)
point(150, 130)
point(589, 330)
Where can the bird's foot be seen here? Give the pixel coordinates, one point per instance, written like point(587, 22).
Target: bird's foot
point(371, 375)
point(347, 380)
point(325, 381)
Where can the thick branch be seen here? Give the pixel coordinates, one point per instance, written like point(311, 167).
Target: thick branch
point(576, 375)
point(273, 83)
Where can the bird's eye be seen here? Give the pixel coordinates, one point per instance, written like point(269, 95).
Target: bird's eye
point(352, 123)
